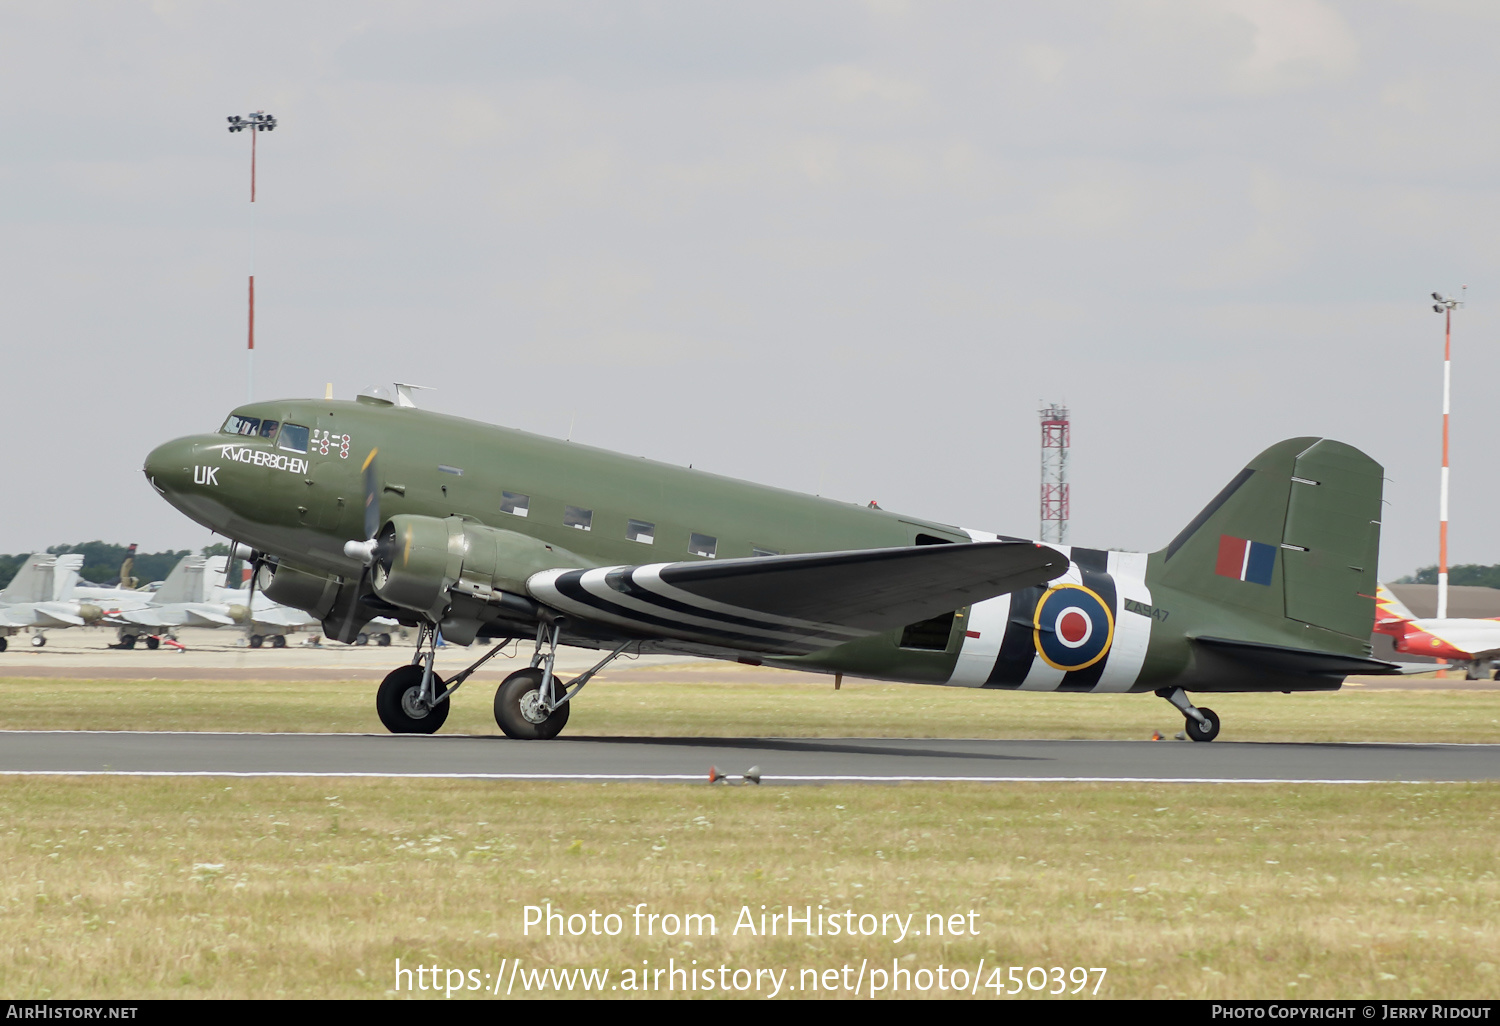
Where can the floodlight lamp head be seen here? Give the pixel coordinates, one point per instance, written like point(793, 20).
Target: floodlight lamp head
point(1437, 308)
point(1438, 296)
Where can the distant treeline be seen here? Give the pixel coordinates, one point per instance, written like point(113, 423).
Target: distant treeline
point(101, 562)
point(1471, 574)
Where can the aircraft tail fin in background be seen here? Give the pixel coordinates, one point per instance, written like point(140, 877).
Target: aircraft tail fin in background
point(42, 577)
point(1390, 609)
point(1291, 542)
point(183, 584)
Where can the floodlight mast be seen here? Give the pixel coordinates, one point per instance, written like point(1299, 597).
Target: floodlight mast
point(257, 123)
point(1445, 306)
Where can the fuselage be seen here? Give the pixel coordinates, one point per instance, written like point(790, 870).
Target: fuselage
point(285, 478)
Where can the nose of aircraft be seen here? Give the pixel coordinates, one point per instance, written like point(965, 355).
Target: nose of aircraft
point(170, 465)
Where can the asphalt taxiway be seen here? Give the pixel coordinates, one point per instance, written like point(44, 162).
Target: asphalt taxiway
point(780, 760)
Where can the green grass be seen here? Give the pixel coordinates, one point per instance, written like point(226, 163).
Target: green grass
point(718, 706)
point(141, 888)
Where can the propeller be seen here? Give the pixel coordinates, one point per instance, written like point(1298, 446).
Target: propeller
point(365, 551)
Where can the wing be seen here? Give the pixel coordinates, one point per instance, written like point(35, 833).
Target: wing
point(801, 603)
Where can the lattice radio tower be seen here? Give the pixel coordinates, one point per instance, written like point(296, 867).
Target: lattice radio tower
point(1055, 442)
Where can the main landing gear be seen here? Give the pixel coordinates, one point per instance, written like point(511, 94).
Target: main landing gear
point(530, 704)
point(1202, 722)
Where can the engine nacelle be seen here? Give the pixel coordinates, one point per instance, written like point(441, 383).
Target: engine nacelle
point(459, 573)
point(288, 585)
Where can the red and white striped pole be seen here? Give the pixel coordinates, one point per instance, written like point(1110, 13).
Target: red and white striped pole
point(250, 347)
point(1445, 307)
point(258, 122)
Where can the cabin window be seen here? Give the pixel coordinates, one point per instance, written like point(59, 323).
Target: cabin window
point(268, 428)
point(641, 531)
point(759, 550)
point(932, 539)
point(703, 545)
point(241, 426)
point(929, 635)
point(515, 503)
point(578, 518)
point(293, 438)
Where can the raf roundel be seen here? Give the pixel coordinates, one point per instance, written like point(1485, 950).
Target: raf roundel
point(1074, 627)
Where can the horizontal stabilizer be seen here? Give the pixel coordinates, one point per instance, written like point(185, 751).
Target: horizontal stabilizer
point(798, 603)
point(1283, 659)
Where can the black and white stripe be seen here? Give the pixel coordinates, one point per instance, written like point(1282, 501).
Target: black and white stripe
point(636, 597)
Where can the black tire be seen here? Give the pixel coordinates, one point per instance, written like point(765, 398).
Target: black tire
point(278, 641)
point(38, 640)
point(256, 641)
point(404, 717)
point(363, 639)
point(1202, 733)
point(383, 640)
point(5, 643)
point(508, 713)
point(128, 641)
point(153, 643)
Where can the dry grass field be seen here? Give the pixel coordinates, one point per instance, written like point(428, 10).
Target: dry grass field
point(198, 887)
point(163, 887)
point(718, 705)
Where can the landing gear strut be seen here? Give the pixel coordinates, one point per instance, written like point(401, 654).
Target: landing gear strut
point(531, 704)
point(414, 700)
point(1202, 722)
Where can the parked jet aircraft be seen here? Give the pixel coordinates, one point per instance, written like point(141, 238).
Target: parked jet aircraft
point(365, 508)
point(1473, 642)
point(41, 596)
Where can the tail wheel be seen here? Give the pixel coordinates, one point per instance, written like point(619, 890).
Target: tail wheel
point(401, 707)
point(518, 708)
point(1204, 731)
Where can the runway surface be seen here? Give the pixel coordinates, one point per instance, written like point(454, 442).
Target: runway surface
point(781, 760)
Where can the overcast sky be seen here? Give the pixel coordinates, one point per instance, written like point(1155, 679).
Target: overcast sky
point(833, 246)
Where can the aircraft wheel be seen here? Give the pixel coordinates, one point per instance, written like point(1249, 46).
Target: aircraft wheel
point(4, 644)
point(1204, 733)
point(127, 641)
point(256, 641)
point(278, 641)
point(38, 640)
point(400, 706)
point(383, 640)
point(518, 710)
point(153, 643)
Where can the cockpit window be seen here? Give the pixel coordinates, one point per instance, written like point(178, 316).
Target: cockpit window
point(268, 428)
point(241, 426)
point(293, 438)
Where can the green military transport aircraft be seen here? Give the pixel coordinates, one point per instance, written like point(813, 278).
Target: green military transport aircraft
point(353, 510)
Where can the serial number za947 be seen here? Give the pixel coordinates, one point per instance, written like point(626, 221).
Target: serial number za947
point(1055, 980)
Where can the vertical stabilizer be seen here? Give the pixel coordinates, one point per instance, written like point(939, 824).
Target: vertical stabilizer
point(1289, 544)
point(183, 584)
point(33, 582)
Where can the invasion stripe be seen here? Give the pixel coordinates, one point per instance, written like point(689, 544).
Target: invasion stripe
point(569, 586)
point(641, 589)
point(606, 584)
